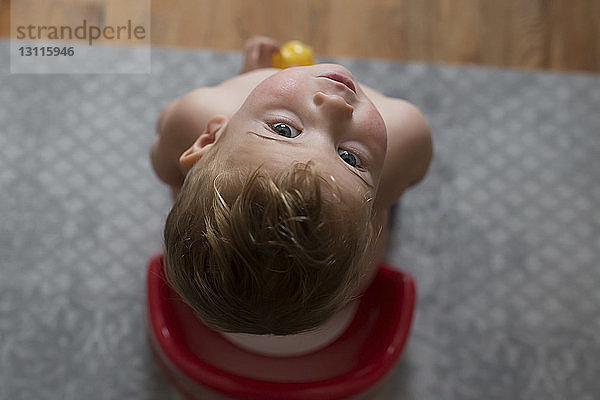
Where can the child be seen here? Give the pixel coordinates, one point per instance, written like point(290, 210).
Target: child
point(283, 180)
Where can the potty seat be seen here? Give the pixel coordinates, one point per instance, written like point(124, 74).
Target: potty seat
point(204, 365)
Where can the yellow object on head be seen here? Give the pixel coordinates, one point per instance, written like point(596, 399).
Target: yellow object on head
point(293, 54)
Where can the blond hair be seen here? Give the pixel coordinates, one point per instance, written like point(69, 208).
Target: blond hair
point(261, 254)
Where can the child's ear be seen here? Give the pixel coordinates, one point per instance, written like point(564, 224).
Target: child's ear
point(204, 142)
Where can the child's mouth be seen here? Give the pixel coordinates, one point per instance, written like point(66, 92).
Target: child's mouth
point(334, 76)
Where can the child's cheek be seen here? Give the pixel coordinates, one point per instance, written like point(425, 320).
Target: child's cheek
point(375, 129)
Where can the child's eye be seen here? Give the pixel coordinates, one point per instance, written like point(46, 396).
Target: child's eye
point(350, 158)
point(285, 130)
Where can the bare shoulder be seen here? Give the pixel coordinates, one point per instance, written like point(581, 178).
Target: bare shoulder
point(409, 149)
point(179, 125)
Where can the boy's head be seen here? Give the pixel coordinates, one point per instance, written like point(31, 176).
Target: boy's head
point(270, 230)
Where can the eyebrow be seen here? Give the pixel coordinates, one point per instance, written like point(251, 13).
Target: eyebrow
point(299, 144)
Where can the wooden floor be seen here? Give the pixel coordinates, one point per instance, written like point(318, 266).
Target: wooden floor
point(542, 34)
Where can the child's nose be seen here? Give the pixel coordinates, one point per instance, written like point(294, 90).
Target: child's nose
point(334, 105)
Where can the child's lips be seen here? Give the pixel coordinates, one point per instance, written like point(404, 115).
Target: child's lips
point(335, 76)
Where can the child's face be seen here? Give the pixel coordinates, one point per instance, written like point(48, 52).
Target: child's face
point(309, 113)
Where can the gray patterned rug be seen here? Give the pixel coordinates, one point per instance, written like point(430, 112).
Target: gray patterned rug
point(503, 237)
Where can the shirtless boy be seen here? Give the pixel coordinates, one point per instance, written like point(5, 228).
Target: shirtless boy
point(283, 182)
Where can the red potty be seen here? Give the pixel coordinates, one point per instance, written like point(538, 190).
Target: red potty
point(204, 365)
